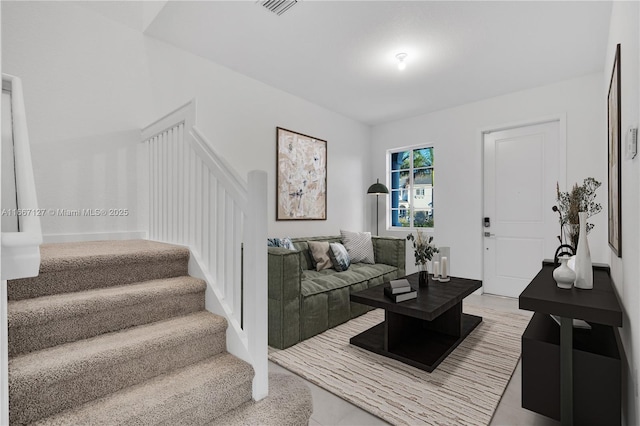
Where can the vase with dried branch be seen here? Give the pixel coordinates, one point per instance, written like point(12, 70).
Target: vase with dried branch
point(581, 198)
point(423, 251)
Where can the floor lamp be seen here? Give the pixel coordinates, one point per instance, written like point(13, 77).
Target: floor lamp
point(377, 189)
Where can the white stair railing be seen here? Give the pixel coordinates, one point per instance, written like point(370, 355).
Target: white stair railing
point(198, 200)
point(20, 251)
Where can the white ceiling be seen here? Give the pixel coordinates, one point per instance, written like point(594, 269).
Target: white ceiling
point(341, 54)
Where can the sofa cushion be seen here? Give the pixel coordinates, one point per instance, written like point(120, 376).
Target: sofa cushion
point(359, 246)
point(320, 254)
point(314, 282)
point(301, 244)
point(372, 271)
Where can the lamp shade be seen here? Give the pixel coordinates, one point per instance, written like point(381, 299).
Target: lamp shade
point(377, 188)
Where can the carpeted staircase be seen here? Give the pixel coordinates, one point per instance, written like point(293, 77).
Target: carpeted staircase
point(115, 332)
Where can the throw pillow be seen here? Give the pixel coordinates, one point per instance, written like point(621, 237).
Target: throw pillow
point(339, 257)
point(287, 243)
point(320, 253)
point(359, 246)
point(281, 242)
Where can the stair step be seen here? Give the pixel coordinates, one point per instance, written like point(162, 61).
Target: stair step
point(205, 390)
point(72, 267)
point(289, 404)
point(48, 321)
point(49, 381)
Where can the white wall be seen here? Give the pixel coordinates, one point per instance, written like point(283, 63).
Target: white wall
point(90, 83)
point(625, 271)
point(455, 134)
point(84, 101)
point(239, 115)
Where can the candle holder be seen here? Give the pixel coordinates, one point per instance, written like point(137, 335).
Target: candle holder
point(444, 269)
point(436, 270)
point(444, 256)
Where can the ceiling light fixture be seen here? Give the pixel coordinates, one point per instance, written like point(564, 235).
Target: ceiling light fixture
point(401, 63)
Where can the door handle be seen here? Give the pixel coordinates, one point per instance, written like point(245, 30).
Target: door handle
point(489, 234)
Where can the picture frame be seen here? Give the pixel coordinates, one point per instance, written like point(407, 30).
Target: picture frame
point(614, 125)
point(301, 169)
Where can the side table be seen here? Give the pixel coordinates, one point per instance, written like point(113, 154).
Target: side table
point(570, 374)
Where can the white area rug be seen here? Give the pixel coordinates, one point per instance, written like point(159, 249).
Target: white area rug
point(464, 390)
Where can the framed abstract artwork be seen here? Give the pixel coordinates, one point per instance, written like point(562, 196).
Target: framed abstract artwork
point(301, 192)
point(615, 176)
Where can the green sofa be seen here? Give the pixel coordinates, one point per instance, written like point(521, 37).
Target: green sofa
point(304, 302)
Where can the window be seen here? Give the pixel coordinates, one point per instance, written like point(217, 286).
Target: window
point(411, 177)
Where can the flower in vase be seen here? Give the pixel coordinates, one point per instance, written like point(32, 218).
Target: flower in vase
point(581, 198)
point(423, 249)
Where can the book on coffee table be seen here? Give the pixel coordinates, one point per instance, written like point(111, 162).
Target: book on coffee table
point(400, 297)
point(399, 286)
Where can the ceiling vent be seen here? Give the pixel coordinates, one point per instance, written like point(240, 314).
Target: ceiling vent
point(278, 6)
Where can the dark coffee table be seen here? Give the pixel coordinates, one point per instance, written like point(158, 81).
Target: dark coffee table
point(420, 332)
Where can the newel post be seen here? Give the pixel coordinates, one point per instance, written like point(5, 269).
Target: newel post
point(255, 289)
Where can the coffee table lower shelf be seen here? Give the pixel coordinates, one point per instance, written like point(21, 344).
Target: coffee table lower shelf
point(423, 349)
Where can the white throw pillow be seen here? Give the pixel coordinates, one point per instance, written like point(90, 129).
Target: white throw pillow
point(359, 246)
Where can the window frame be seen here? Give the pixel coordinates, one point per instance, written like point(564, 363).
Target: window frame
point(411, 190)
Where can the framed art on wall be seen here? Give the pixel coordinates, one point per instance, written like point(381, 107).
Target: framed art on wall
point(615, 175)
point(301, 191)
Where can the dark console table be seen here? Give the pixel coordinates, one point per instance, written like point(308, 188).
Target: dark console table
point(572, 374)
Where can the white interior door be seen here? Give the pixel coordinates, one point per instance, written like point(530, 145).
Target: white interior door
point(521, 169)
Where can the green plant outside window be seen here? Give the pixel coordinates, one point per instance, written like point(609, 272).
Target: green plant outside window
point(411, 189)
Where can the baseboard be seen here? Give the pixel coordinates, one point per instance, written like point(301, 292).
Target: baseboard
point(95, 236)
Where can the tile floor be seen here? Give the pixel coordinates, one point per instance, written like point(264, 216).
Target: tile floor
point(330, 410)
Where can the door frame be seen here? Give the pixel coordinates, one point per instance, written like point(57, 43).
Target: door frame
point(562, 160)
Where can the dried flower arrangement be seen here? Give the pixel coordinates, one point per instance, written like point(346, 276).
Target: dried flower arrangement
point(581, 198)
point(423, 248)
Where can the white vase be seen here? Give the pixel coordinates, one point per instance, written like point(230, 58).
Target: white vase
point(564, 275)
point(584, 268)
